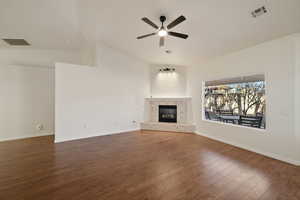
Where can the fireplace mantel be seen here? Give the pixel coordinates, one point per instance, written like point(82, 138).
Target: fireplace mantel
point(168, 99)
point(184, 122)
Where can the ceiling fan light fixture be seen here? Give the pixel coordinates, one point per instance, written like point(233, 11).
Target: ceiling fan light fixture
point(162, 33)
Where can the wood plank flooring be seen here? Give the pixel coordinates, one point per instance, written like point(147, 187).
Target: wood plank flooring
point(141, 165)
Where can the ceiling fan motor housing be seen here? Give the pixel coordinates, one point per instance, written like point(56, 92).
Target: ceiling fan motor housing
point(162, 18)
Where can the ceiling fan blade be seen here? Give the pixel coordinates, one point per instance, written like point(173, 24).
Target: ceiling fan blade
point(147, 35)
point(148, 21)
point(176, 22)
point(161, 41)
point(180, 35)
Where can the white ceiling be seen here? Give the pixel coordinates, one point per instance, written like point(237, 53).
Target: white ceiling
point(215, 27)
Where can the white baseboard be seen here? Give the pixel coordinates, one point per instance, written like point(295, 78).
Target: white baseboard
point(268, 154)
point(24, 137)
point(94, 135)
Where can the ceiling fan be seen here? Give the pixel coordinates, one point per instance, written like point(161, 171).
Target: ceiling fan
point(162, 32)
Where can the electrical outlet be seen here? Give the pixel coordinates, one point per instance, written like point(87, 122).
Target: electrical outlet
point(39, 127)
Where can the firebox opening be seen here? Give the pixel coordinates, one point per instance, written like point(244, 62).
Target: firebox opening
point(168, 113)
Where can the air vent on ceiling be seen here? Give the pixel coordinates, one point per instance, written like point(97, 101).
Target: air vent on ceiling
point(16, 42)
point(258, 12)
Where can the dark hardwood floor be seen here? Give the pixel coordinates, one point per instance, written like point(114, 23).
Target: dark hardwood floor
point(141, 166)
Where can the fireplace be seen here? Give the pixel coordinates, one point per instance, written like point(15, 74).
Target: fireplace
point(167, 113)
point(174, 112)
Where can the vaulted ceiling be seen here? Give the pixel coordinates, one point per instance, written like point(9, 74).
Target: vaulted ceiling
point(215, 27)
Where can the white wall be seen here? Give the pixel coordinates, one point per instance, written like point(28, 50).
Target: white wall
point(165, 84)
point(106, 99)
point(276, 60)
point(27, 90)
point(26, 101)
point(38, 57)
point(297, 91)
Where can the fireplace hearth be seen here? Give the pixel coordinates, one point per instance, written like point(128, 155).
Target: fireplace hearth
point(167, 113)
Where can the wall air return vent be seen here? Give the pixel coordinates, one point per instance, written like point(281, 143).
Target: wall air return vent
point(16, 42)
point(258, 12)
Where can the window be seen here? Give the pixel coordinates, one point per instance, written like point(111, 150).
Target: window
point(239, 101)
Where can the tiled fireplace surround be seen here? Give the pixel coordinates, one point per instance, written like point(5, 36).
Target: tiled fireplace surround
point(183, 115)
